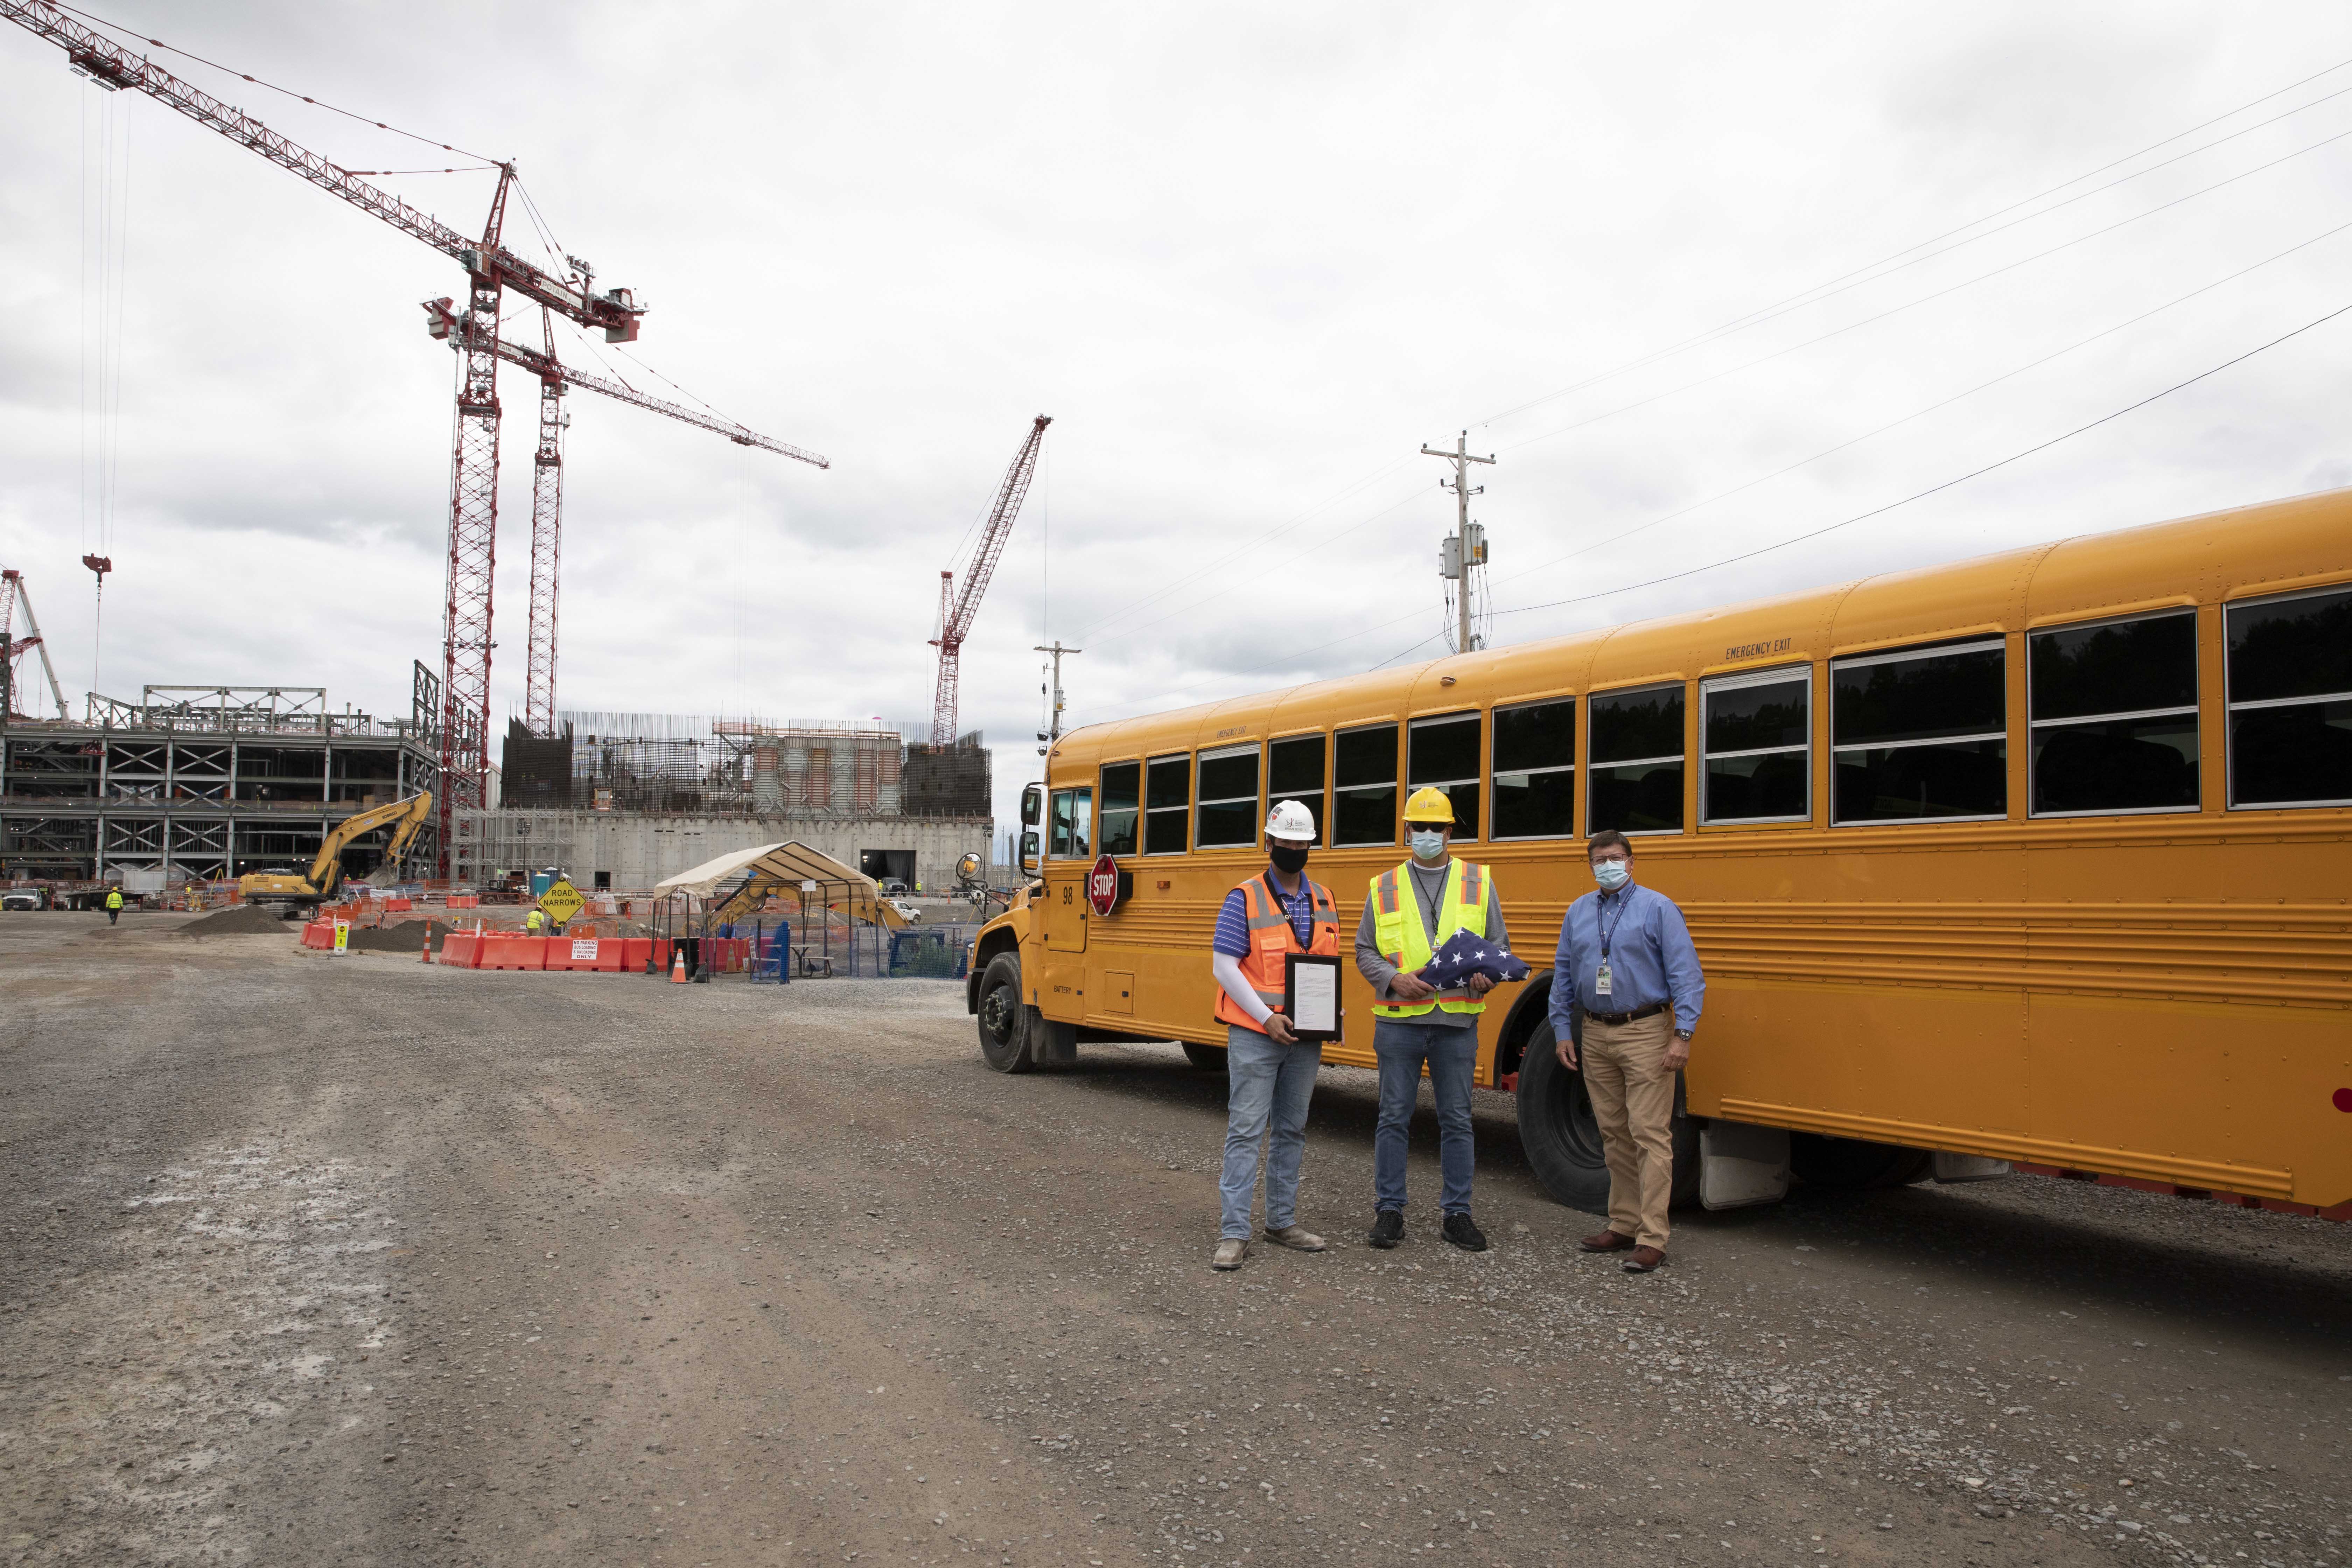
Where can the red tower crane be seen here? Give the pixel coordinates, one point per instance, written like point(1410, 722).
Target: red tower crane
point(555, 377)
point(491, 270)
point(957, 610)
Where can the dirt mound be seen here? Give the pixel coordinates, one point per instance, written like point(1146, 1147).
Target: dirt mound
point(405, 937)
point(240, 920)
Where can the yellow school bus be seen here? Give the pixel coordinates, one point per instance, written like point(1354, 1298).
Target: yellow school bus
point(2041, 857)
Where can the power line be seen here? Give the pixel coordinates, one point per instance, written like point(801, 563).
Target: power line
point(1781, 544)
point(1947, 484)
point(1925, 299)
point(1931, 408)
point(1847, 279)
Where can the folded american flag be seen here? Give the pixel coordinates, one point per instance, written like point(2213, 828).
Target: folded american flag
point(1452, 965)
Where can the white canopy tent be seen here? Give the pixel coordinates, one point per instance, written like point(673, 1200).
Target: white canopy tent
point(788, 864)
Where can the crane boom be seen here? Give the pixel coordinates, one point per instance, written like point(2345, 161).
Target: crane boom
point(12, 593)
point(957, 610)
point(116, 69)
point(444, 323)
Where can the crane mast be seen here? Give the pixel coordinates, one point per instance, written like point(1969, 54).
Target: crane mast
point(555, 377)
point(957, 610)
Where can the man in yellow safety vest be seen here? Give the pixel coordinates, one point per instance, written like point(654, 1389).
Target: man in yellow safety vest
point(533, 922)
point(1410, 913)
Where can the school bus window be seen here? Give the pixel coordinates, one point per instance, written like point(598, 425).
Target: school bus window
point(2111, 709)
point(1443, 753)
point(1167, 804)
point(2290, 679)
point(1070, 824)
point(1293, 771)
point(1228, 798)
point(1635, 753)
point(1535, 770)
point(1919, 734)
point(1363, 785)
point(1122, 785)
point(1755, 745)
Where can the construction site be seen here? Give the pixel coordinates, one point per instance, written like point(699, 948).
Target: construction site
point(512, 1058)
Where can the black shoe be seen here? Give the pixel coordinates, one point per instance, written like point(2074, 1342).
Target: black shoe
point(1461, 1233)
point(1388, 1229)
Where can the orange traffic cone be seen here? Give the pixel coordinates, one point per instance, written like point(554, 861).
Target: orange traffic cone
point(424, 954)
point(678, 966)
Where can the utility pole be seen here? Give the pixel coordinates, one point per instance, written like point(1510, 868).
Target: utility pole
point(1053, 729)
point(1466, 549)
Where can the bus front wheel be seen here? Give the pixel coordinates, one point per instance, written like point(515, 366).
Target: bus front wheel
point(1005, 1021)
point(1562, 1139)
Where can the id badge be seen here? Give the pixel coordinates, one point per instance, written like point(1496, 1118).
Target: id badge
point(1601, 980)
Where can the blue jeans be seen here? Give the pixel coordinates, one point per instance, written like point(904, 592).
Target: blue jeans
point(1452, 1053)
point(1266, 1083)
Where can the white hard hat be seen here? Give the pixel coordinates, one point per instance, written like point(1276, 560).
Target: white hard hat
point(1289, 819)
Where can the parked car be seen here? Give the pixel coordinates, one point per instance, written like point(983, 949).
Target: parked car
point(891, 885)
point(21, 898)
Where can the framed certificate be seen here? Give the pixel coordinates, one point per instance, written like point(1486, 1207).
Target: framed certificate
point(1310, 996)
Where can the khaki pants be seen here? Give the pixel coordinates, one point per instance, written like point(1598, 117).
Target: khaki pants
point(1633, 1099)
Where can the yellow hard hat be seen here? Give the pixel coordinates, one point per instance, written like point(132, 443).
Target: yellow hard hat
point(1429, 804)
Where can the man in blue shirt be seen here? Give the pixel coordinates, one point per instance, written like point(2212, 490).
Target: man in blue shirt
point(1626, 959)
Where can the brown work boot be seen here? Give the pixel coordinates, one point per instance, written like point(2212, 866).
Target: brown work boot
point(1606, 1241)
point(1645, 1258)
point(1299, 1238)
point(1229, 1255)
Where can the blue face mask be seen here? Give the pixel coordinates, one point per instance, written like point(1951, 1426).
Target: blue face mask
point(1428, 846)
point(1612, 874)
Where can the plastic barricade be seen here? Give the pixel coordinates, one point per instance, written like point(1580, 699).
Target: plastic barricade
point(465, 902)
point(394, 905)
point(462, 950)
point(635, 950)
point(319, 934)
point(513, 953)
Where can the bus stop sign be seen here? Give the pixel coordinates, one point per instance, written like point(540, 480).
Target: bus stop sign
point(1104, 885)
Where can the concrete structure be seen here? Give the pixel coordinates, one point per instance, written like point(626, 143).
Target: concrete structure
point(633, 851)
point(202, 782)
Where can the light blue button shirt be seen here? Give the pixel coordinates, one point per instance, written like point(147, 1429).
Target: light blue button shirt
point(1651, 958)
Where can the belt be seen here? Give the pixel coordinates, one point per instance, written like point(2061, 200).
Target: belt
point(1651, 1011)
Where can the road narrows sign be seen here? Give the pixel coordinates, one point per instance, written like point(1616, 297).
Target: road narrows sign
point(561, 902)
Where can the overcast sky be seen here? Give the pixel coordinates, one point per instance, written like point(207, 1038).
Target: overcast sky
point(1250, 259)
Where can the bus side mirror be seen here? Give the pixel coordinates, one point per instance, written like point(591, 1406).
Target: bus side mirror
point(1029, 854)
point(1032, 805)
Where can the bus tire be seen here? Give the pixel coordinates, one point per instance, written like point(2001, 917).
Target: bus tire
point(1207, 1058)
point(1007, 1023)
point(1562, 1139)
point(1556, 1127)
point(1853, 1165)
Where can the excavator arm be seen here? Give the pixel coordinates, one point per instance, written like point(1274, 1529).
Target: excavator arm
point(406, 817)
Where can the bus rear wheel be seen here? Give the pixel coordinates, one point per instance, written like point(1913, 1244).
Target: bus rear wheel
point(1562, 1139)
point(1852, 1164)
point(1208, 1058)
point(1005, 1021)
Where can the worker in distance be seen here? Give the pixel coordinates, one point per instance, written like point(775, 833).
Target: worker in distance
point(1626, 959)
point(1269, 1072)
point(1412, 912)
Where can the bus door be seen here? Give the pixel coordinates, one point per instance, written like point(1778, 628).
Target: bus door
point(1069, 855)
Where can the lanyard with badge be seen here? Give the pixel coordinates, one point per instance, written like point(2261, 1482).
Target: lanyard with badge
point(1601, 980)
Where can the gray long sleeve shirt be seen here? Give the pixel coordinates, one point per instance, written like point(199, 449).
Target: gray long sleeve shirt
point(1429, 887)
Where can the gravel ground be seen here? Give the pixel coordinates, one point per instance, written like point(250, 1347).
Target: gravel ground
point(311, 1260)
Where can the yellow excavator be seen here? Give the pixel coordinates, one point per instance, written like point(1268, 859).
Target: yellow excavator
point(406, 818)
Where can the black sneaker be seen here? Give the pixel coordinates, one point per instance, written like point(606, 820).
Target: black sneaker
point(1461, 1233)
point(1388, 1229)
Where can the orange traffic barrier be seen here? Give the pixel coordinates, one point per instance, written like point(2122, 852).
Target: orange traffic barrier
point(514, 951)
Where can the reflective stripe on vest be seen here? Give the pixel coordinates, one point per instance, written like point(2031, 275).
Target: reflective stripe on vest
point(1272, 937)
point(1404, 938)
